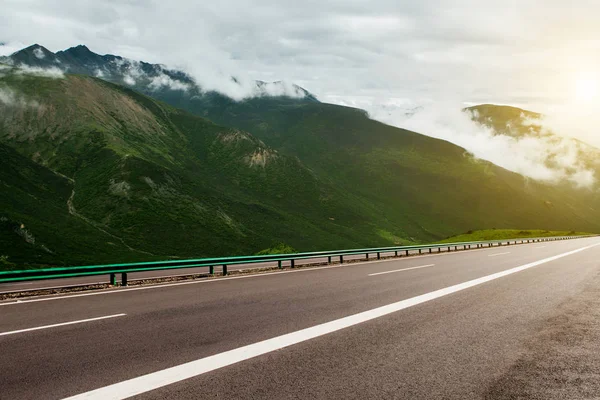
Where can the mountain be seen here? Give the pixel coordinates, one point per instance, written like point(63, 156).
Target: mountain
point(230, 177)
point(153, 79)
point(154, 181)
point(527, 125)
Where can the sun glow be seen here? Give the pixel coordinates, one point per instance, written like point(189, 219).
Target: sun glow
point(586, 88)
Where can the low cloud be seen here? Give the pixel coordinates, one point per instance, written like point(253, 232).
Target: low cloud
point(128, 79)
point(46, 72)
point(546, 158)
point(39, 53)
point(164, 80)
point(10, 98)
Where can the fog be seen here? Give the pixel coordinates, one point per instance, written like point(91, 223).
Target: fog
point(548, 158)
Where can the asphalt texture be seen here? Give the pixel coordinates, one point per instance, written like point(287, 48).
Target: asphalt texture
point(532, 334)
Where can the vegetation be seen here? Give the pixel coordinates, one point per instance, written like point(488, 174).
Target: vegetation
point(93, 172)
point(499, 234)
point(280, 248)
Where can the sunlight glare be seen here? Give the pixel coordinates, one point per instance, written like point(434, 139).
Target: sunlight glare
point(586, 88)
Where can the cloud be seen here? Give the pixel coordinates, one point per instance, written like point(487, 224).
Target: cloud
point(10, 98)
point(39, 53)
point(52, 72)
point(551, 159)
point(579, 121)
point(380, 48)
point(128, 79)
point(163, 80)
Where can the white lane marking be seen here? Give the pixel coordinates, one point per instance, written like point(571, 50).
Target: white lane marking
point(498, 254)
point(155, 380)
point(259, 275)
point(37, 328)
point(403, 269)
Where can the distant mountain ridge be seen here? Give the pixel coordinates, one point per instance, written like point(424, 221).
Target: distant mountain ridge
point(524, 124)
point(142, 76)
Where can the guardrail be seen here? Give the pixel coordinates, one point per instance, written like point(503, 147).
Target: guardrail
point(113, 269)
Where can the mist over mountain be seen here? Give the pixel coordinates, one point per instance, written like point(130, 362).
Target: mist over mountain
point(529, 143)
point(142, 76)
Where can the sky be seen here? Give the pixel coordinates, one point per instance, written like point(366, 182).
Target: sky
point(381, 55)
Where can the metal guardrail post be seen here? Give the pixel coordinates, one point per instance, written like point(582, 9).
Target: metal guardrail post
point(292, 263)
point(211, 270)
point(396, 253)
point(407, 252)
point(224, 270)
point(329, 260)
point(430, 250)
point(113, 279)
point(279, 264)
point(378, 255)
point(341, 259)
point(123, 278)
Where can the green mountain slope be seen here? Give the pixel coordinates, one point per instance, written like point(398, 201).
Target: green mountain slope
point(162, 182)
point(433, 188)
point(526, 125)
point(35, 223)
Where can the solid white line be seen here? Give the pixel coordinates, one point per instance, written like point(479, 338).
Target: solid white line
point(498, 254)
point(400, 270)
point(155, 380)
point(61, 324)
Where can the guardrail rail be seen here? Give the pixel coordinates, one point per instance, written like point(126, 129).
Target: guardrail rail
point(113, 269)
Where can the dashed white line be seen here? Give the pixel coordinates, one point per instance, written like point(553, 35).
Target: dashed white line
point(158, 286)
point(403, 269)
point(37, 328)
point(498, 254)
point(158, 379)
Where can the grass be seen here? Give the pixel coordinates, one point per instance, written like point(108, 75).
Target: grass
point(499, 234)
point(280, 248)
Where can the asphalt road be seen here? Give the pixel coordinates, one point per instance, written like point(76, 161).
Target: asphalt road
point(102, 279)
point(511, 322)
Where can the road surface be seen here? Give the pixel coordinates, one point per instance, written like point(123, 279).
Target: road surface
point(103, 279)
point(511, 322)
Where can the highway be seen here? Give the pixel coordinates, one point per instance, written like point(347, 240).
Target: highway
point(43, 284)
point(495, 323)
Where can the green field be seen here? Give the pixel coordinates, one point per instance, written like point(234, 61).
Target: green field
point(499, 234)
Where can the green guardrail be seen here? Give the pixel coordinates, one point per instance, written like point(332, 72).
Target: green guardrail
point(113, 269)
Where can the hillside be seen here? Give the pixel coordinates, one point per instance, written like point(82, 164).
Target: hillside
point(285, 170)
point(501, 234)
point(506, 120)
point(560, 151)
point(152, 178)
